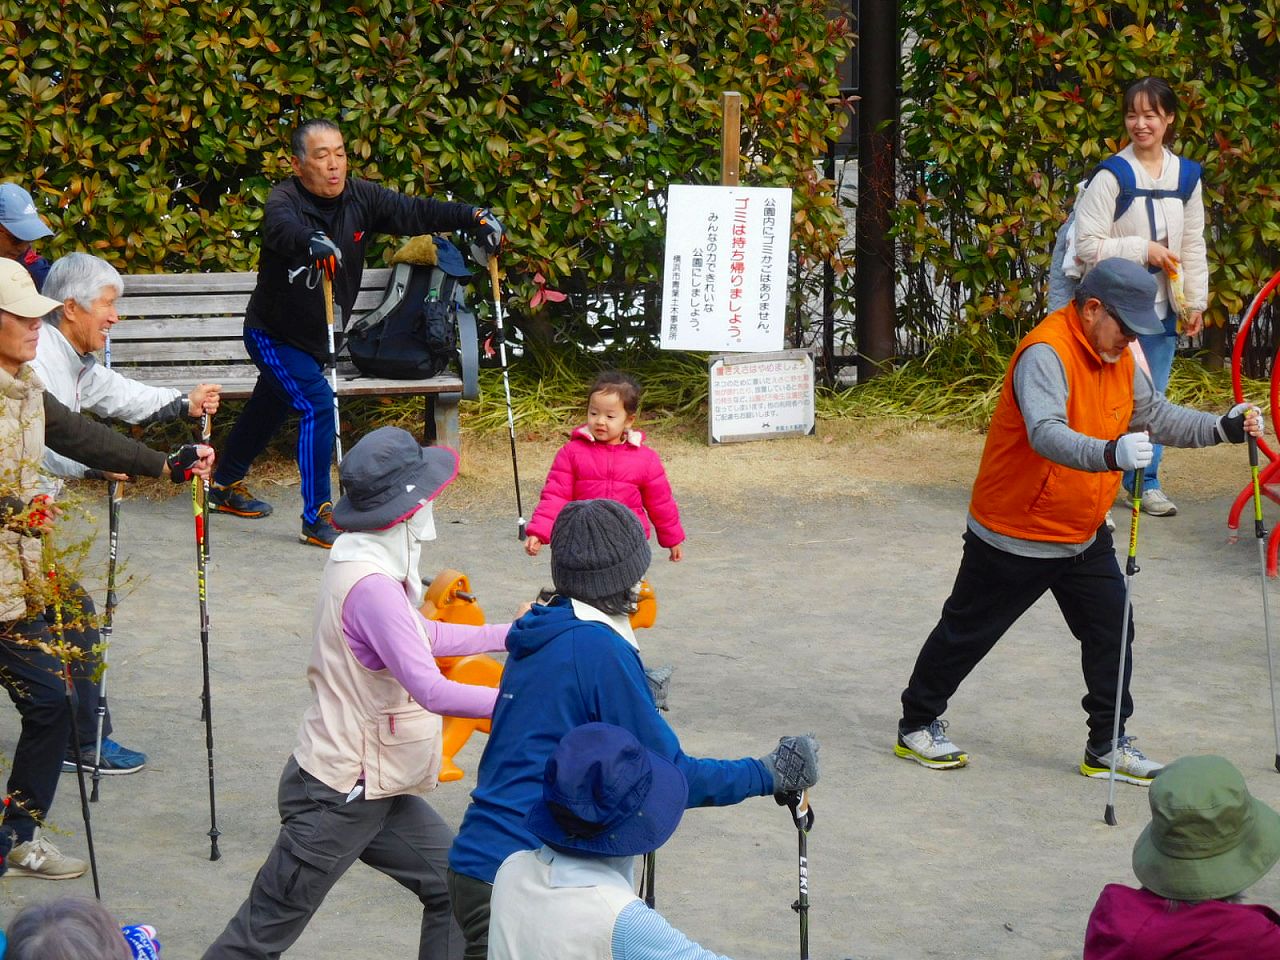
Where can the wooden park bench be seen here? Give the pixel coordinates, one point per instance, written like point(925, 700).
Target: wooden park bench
point(181, 329)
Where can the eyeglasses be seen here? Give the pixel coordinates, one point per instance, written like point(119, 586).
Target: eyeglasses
point(1125, 331)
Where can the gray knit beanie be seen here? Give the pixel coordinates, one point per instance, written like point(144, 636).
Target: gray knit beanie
point(598, 549)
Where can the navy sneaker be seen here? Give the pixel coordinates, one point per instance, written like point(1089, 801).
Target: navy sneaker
point(236, 500)
point(322, 533)
point(116, 759)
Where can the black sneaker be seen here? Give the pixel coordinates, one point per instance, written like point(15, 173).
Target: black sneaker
point(236, 499)
point(322, 533)
point(116, 759)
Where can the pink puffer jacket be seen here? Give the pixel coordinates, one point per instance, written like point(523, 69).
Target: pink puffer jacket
point(629, 472)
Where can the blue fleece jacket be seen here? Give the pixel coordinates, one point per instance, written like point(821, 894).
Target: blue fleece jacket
point(562, 672)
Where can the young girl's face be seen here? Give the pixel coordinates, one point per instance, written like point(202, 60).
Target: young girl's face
point(607, 418)
point(1146, 123)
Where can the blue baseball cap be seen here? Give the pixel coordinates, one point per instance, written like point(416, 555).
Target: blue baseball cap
point(18, 214)
point(1127, 291)
point(606, 794)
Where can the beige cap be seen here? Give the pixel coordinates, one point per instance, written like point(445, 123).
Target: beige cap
point(18, 292)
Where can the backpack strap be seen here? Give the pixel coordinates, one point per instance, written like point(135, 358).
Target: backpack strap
point(1188, 177)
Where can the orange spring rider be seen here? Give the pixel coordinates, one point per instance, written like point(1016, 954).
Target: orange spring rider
point(450, 600)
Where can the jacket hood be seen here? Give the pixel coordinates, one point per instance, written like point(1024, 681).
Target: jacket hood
point(542, 624)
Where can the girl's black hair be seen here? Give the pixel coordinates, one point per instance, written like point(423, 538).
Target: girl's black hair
point(1158, 93)
point(626, 387)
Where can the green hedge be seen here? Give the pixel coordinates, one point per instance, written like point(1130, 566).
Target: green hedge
point(1008, 105)
point(152, 130)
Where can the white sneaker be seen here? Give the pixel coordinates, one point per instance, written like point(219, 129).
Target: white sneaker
point(1132, 765)
point(40, 858)
point(1110, 521)
point(930, 747)
point(1155, 503)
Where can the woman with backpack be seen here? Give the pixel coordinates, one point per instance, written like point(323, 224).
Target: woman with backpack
point(1145, 205)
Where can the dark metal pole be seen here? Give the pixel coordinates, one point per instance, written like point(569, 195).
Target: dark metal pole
point(878, 56)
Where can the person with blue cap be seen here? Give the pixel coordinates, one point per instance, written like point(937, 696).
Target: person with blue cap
point(20, 226)
point(1075, 412)
point(606, 800)
point(369, 746)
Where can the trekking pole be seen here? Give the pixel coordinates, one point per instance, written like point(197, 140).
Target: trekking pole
point(1130, 569)
point(506, 387)
point(1260, 532)
point(115, 492)
point(802, 814)
point(326, 277)
point(69, 695)
point(650, 869)
point(199, 505)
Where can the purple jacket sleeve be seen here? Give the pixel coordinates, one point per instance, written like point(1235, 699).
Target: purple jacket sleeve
point(379, 627)
point(660, 504)
point(556, 492)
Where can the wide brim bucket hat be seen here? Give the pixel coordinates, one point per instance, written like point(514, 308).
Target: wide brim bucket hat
point(388, 477)
point(1209, 838)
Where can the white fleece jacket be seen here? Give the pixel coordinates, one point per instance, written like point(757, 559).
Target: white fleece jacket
point(81, 383)
point(1099, 236)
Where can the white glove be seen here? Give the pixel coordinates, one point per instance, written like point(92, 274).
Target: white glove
point(1134, 451)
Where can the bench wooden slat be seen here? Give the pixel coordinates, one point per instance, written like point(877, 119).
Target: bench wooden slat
point(129, 352)
point(177, 328)
point(176, 284)
point(238, 381)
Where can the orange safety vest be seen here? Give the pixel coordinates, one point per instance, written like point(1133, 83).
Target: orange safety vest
point(1021, 494)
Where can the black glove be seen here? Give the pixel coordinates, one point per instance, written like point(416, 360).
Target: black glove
point(488, 232)
point(324, 253)
point(1231, 427)
point(181, 461)
point(794, 764)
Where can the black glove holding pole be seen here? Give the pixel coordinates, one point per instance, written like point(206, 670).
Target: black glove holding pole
point(488, 236)
point(324, 253)
point(1231, 427)
point(182, 462)
point(794, 764)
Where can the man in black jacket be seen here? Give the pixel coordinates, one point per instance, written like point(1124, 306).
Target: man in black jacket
point(29, 419)
point(316, 220)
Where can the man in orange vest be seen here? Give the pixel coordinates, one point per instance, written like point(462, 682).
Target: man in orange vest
point(1075, 411)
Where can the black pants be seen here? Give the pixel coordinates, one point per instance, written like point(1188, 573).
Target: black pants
point(992, 590)
point(470, 898)
point(34, 681)
point(78, 628)
point(322, 833)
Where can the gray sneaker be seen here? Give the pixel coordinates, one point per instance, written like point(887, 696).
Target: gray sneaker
point(1155, 503)
point(930, 747)
point(40, 858)
point(1110, 521)
point(1132, 765)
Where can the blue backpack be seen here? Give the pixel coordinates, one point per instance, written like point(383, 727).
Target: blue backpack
point(1063, 287)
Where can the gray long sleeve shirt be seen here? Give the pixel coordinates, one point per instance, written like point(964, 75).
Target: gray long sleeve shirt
point(1040, 385)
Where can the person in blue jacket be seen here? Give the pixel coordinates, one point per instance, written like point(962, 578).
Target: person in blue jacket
point(571, 661)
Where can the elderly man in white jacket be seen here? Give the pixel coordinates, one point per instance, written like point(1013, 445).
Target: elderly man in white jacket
point(88, 287)
point(65, 361)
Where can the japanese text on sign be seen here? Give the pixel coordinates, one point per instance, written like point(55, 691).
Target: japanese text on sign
point(725, 272)
point(752, 397)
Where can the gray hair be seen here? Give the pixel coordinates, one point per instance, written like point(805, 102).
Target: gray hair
point(298, 142)
point(73, 928)
point(80, 277)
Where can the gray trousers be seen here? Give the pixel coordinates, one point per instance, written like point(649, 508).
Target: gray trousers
point(321, 835)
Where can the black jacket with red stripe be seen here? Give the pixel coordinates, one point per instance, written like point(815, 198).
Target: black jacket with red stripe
point(281, 303)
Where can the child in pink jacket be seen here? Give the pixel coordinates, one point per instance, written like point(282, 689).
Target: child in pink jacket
point(605, 458)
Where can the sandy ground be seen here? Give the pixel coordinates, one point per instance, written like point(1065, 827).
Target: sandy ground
point(814, 569)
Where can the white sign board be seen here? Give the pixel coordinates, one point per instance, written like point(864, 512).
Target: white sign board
point(758, 396)
point(724, 280)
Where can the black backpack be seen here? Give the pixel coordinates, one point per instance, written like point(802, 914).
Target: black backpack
point(413, 333)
